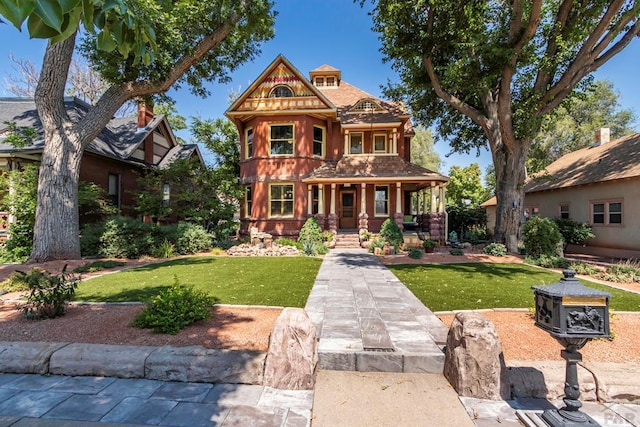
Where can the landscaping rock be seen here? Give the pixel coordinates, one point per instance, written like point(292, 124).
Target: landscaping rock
point(199, 364)
point(122, 361)
point(292, 357)
point(274, 249)
point(474, 363)
point(27, 357)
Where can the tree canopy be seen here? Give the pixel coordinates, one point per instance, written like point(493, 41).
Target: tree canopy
point(423, 152)
point(465, 187)
point(488, 72)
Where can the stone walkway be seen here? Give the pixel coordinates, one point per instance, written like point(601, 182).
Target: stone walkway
point(367, 320)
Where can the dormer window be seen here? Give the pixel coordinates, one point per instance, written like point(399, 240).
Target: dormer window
point(281, 92)
point(325, 81)
point(366, 106)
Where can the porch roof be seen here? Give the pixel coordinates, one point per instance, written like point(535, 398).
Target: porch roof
point(373, 168)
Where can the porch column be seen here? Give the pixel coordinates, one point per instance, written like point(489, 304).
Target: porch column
point(394, 146)
point(425, 205)
point(363, 218)
point(441, 204)
point(398, 215)
point(310, 199)
point(346, 142)
point(333, 218)
point(432, 209)
point(321, 198)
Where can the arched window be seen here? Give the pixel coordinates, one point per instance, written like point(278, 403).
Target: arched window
point(366, 106)
point(281, 92)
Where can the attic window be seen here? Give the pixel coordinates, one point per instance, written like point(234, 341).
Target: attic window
point(366, 106)
point(325, 81)
point(281, 92)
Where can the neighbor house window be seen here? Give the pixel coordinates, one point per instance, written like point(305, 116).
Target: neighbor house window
point(382, 200)
point(355, 143)
point(318, 141)
point(563, 210)
point(281, 92)
point(248, 201)
point(249, 144)
point(530, 211)
point(380, 143)
point(114, 189)
point(166, 194)
point(281, 200)
point(606, 212)
point(281, 140)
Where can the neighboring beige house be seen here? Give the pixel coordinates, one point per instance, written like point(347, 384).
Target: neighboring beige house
point(599, 185)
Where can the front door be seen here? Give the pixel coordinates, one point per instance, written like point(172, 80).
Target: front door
point(347, 209)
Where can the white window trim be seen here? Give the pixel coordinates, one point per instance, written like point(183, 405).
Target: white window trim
point(375, 200)
point(386, 143)
point(351, 135)
point(324, 141)
point(293, 199)
point(293, 140)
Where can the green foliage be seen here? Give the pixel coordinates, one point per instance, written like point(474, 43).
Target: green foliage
point(309, 248)
point(93, 203)
point(573, 232)
point(541, 237)
point(328, 236)
point(322, 249)
point(572, 125)
point(125, 237)
point(94, 266)
point(415, 253)
point(224, 243)
point(585, 268)
point(164, 249)
point(175, 308)
point(283, 241)
point(19, 137)
point(495, 249)
point(390, 233)
point(548, 261)
point(456, 251)
point(428, 243)
point(48, 293)
point(470, 222)
point(16, 282)
point(423, 151)
point(365, 235)
point(626, 272)
point(466, 185)
point(188, 238)
point(376, 242)
point(310, 232)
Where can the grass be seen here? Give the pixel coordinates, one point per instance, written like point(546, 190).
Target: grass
point(443, 287)
point(273, 281)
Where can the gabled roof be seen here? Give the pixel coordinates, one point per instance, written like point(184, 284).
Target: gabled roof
point(371, 167)
point(256, 100)
point(619, 159)
point(118, 140)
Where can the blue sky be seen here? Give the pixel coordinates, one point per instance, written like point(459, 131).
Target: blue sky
point(311, 33)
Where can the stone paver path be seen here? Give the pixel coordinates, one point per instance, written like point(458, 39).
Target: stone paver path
point(367, 320)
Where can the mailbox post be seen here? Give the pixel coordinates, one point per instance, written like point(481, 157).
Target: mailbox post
point(573, 314)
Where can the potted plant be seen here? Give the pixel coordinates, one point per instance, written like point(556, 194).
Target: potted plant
point(429, 245)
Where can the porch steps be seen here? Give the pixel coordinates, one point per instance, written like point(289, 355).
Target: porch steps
point(347, 240)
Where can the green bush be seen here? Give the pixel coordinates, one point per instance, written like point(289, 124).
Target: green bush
point(224, 243)
point(428, 243)
point(376, 242)
point(310, 232)
point(125, 237)
point(309, 248)
point(541, 237)
point(585, 268)
point(165, 249)
point(327, 236)
point(415, 253)
point(189, 238)
point(48, 294)
point(627, 272)
point(548, 261)
point(495, 249)
point(175, 308)
point(322, 249)
point(283, 241)
point(90, 243)
point(391, 234)
point(16, 282)
point(573, 232)
point(456, 251)
point(98, 266)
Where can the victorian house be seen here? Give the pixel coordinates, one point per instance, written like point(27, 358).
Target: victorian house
point(320, 147)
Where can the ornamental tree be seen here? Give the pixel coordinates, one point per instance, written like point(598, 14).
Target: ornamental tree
point(142, 48)
point(488, 72)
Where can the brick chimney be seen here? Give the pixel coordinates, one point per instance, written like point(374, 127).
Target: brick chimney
point(145, 114)
point(603, 135)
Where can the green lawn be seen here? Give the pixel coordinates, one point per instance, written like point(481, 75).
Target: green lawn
point(443, 287)
point(274, 281)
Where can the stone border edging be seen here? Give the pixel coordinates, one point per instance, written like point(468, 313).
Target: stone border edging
point(192, 364)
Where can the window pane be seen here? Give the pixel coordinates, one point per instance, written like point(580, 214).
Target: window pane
point(250, 143)
point(615, 207)
point(287, 208)
point(276, 192)
point(598, 208)
point(615, 218)
point(282, 132)
point(356, 144)
point(380, 143)
point(276, 207)
point(318, 138)
point(281, 147)
point(382, 203)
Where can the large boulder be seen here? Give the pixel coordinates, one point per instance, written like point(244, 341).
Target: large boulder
point(474, 363)
point(292, 356)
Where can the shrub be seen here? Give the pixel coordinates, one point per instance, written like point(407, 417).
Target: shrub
point(164, 250)
point(16, 282)
point(573, 232)
point(310, 232)
point(283, 241)
point(627, 272)
point(456, 251)
point(322, 249)
point(90, 244)
point(98, 266)
point(541, 237)
point(175, 308)
point(376, 242)
point(548, 261)
point(495, 249)
point(48, 293)
point(428, 243)
point(585, 268)
point(391, 234)
point(309, 248)
point(415, 253)
point(191, 238)
point(125, 237)
point(327, 236)
point(224, 243)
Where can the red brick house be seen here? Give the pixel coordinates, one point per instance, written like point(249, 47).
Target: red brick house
point(324, 148)
point(125, 148)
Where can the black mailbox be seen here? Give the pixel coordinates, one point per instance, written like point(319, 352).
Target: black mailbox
point(568, 309)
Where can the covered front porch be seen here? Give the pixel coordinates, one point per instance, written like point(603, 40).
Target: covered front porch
point(377, 189)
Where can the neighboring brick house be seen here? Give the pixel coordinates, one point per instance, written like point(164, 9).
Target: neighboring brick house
point(114, 160)
point(324, 148)
point(599, 185)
